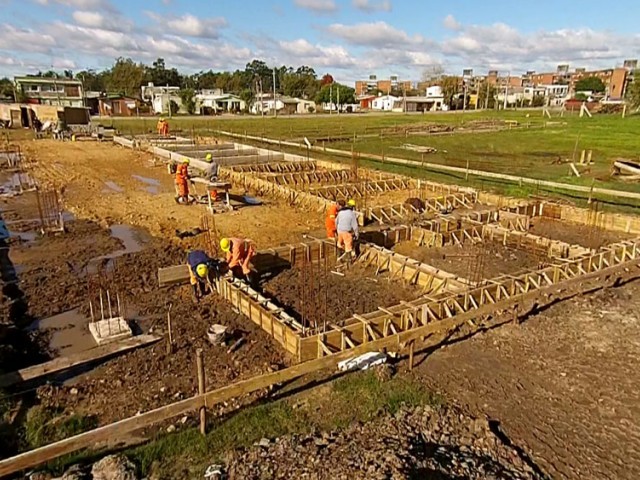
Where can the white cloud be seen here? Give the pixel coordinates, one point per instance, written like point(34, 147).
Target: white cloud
point(317, 6)
point(189, 25)
point(93, 19)
point(15, 39)
point(370, 6)
point(82, 4)
point(375, 34)
point(302, 52)
point(451, 23)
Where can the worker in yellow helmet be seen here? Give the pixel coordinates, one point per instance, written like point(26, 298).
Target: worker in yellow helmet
point(348, 230)
point(202, 270)
point(239, 252)
point(213, 168)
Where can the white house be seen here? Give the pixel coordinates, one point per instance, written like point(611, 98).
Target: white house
point(210, 102)
point(160, 97)
point(282, 104)
point(434, 91)
point(384, 103)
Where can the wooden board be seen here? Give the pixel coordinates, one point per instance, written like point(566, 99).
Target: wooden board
point(76, 359)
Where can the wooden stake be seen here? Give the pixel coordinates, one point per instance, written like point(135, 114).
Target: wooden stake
point(169, 333)
point(411, 345)
point(201, 390)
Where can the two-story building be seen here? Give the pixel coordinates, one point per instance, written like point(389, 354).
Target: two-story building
point(61, 92)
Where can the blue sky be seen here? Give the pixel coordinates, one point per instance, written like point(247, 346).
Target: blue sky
point(347, 38)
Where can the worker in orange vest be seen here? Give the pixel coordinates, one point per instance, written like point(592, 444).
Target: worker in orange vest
point(182, 182)
point(239, 252)
point(160, 125)
point(330, 219)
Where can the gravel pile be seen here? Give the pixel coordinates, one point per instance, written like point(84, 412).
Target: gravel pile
point(415, 443)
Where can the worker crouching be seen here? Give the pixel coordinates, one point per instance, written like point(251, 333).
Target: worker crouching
point(239, 252)
point(202, 269)
point(348, 229)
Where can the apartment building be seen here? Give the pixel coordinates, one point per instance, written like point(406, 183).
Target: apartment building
point(386, 86)
point(60, 92)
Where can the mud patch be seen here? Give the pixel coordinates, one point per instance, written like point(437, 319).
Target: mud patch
point(474, 262)
point(334, 298)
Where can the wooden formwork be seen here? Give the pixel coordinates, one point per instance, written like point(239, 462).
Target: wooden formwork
point(430, 311)
point(362, 189)
point(514, 221)
point(430, 279)
point(404, 212)
point(304, 179)
point(541, 246)
point(274, 167)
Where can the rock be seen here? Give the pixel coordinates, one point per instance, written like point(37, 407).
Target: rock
point(171, 428)
point(73, 391)
point(114, 467)
point(264, 442)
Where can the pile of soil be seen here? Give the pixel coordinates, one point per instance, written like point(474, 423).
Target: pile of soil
point(335, 298)
point(414, 443)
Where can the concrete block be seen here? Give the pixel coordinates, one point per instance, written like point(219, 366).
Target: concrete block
point(110, 330)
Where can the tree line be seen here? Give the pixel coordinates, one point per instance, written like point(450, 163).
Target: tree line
point(126, 77)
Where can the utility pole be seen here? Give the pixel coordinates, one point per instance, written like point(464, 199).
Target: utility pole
point(506, 90)
point(464, 96)
point(486, 101)
point(275, 103)
point(338, 100)
point(330, 99)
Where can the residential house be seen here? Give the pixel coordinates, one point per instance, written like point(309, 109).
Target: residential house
point(419, 104)
point(61, 92)
point(161, 97)
point(114, 105)
point(211, 102)
point(384, 103)
point(282, 104)
point(366, 101)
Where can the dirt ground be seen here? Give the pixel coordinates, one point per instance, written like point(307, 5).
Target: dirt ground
point(474, 262)
point(590, 237)
point(107, 183)
point(563, 384)
point(335, 298)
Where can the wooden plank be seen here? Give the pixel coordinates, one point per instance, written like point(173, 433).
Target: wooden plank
point(76, 359)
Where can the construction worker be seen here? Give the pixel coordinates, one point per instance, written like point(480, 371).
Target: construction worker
point(213, 169)
point(165, 128)
point(159, 125)
point(330, 219)
point(182, 182)
point(239, 252)
point(201, 267)
point(347, 228)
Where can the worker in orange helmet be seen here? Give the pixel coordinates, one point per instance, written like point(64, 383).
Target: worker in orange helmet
point(182, 182)
point(330, 219)
point(165, 128)
point(239, 252)
point(160, 125)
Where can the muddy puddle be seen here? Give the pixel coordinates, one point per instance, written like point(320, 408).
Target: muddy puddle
point(151, 184)
point(133, 241)
point(112, 187)
point(68, 332)
point(16, 182)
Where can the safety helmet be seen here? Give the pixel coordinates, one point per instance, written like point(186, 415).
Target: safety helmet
point(161, 119)
point(209, 157)
point(202, 270)
point(225, 244)
point(351, 202)
point(186, 160)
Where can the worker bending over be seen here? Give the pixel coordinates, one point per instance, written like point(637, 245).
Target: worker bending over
point(330, 220)
point(239, 253)
point(182, 182)
point(201, 268)
point(347, 228)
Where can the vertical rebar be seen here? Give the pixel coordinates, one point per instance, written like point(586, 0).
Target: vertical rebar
point(101, 306)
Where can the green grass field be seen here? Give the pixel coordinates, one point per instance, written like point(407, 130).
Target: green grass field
point(540, 148)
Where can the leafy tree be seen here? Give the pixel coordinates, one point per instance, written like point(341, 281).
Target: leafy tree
point(257, 69)
point(486, 101)
point(450, 88)
point(126, 77)
point(327, 79)
point(159, 74)
point(174, 107)
point(633, 91)
point(581, 96)
point(6, 88)
point(538, 101)
point(329, 93)
point(591, 84)
point(248, 96)
point(187, 97)
point(92, 80)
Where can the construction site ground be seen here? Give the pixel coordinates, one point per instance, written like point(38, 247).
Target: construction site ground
point(575, 234)
point(482, 261)
point(334, 294)
point(562, 385)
